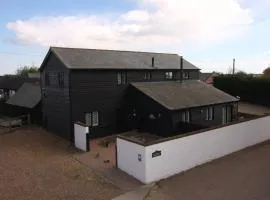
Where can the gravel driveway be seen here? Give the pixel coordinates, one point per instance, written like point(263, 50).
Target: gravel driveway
point(37, 165)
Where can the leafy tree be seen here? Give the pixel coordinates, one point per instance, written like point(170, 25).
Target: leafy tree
point(266, 72)
point(24, 71)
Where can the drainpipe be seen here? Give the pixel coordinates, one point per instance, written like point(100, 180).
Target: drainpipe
point(181, 69)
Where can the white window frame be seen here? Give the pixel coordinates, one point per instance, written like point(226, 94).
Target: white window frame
point(92, 119)
point(121, 78)
point(185, 75)
point(209, 113)
point(186, 116)
point(169, 75)
point(147, 75)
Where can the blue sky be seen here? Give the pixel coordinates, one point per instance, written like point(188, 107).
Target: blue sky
point(210, 33)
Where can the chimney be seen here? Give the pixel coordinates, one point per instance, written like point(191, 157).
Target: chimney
point(153, 62)
point(181, 69)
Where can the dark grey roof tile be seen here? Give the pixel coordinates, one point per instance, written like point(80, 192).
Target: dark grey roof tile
point(175, 95)
point(75, 58)
point(28, 96)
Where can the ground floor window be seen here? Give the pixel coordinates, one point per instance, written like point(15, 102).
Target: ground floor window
point(186, 75)
point(226, 114)
point(11, 93)
point(209, 113)
point(168, 75)
point(92, 119)
point(186, 116)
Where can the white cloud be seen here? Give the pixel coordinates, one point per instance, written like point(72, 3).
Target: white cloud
point(153, 24)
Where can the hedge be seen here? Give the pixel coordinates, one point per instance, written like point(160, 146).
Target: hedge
point(251, 89)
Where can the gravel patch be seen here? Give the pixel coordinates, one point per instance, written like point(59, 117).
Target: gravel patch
point(37, 165)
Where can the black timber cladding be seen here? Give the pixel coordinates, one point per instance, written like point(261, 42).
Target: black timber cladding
point(14, 82)
point(89, 87)
point(55, 99)
point(151, 116)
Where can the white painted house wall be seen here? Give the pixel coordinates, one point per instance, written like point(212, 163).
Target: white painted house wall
point(128, 158)
point(185, 153)
point(80, 136)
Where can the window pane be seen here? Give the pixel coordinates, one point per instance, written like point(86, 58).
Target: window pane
point(123, 77)
point(186, 75)
point(168, 75)
point(95, 118)
point(211, 113)
point(183, 117)
point(88, 119)
point(187, 116)
point(119, 78)
point(206, 114)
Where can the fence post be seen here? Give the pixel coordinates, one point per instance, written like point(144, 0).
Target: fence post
point(29, 119)
point(9, 125)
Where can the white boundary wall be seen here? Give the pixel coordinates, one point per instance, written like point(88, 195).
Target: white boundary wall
point(184, 153)
point(131, 158)
point(80, 137)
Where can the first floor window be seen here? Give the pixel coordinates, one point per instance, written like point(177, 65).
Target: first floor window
point(91, 119)
point(168, 75)
point(209, 114)
point(186, 116)
point(121, 78)
point(47, 79)
point(61, 79)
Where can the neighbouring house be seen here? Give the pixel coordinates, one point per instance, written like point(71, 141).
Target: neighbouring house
point(9, 84)
point(208, 77)
point(27, 100)
point(94, 87)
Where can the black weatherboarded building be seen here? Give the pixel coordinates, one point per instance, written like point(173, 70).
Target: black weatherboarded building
point(94, 86)
point(169, 108)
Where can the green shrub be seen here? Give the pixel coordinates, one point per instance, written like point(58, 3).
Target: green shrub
point(248, 88)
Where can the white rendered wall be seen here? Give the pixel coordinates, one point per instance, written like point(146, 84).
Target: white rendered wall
point(128, 159)
point(185, 153)
point(80, 136)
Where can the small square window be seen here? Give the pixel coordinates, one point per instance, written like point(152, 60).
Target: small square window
point(168, 75)
point(147, 76)
point(186, 75)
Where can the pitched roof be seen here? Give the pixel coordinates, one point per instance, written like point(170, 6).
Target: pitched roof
point(28, 96)
point(205, 76)
point(175, 95)
point(111, 59)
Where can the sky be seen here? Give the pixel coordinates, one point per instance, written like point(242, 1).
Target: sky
point(208, 33)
